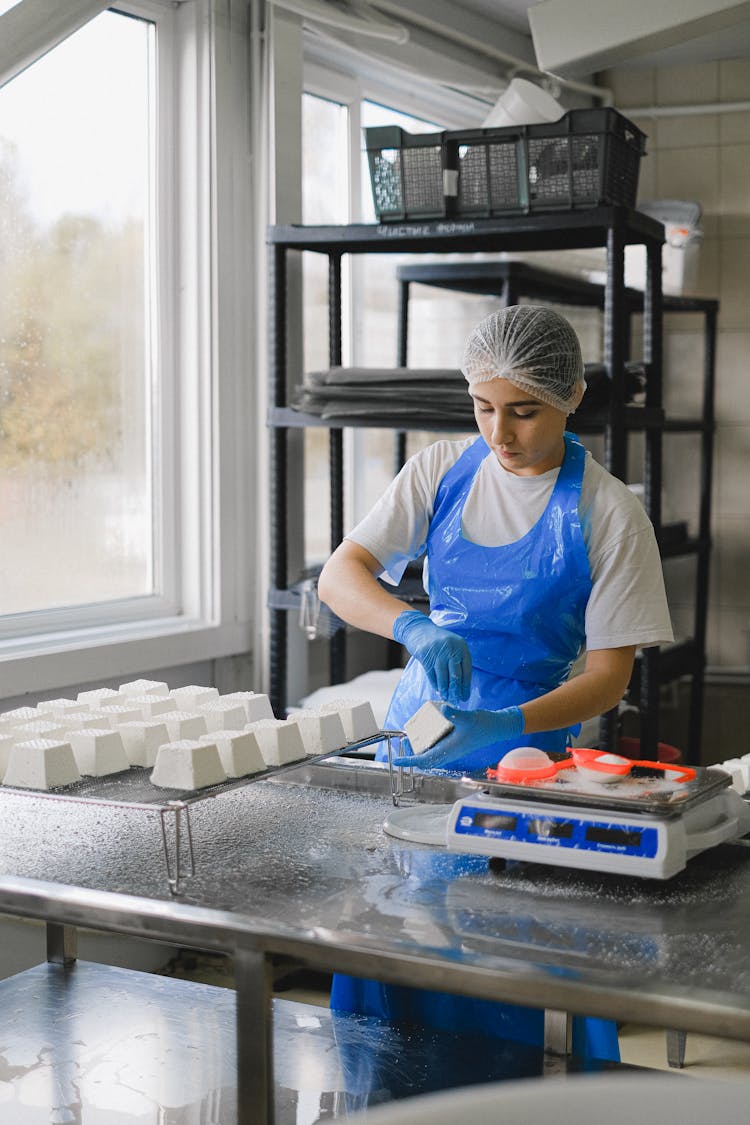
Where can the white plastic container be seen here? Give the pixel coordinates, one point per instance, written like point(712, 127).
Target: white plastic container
point(680, 254)
point(523, 103)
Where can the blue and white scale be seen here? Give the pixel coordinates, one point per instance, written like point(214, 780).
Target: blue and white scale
point(644, 825)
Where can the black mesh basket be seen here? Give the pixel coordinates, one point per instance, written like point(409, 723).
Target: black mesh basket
point(588, 158)
point(406, 173)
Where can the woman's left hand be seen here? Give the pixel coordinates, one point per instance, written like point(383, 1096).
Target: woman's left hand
point(472, 731)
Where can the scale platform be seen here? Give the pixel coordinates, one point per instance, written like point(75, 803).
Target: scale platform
point(647, 824)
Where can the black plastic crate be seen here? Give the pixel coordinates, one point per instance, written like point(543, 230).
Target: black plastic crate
point(587, 158)
point(406, 173)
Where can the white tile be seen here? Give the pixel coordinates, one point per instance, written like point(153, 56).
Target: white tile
point(689, 83)
point(734, 172)
point(734, 292)
point(732, 460)
point(734, 80)
point(732, 396)
point(730, 559)
point(687, 131)
point(689, 173)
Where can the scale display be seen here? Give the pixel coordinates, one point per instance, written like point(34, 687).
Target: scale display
point(567, 831)
point(638, 827)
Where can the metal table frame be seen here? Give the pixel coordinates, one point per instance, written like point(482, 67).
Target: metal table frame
point(252, 947)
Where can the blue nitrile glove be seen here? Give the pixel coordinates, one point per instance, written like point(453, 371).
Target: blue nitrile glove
point(443, 655)
point(472, 731)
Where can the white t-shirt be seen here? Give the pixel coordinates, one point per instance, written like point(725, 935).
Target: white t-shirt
point(627, 605)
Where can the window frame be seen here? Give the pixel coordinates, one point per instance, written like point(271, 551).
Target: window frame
point(205, 491)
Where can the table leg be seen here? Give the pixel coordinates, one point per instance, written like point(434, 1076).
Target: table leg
point(558, 1032)
point(676, 1042)
point(62, 943)
point(255, 1088)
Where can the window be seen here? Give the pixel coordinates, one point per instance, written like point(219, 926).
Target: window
point(125, 238)
point(79, 361)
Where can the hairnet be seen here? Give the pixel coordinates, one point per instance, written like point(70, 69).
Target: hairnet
point(531, 346)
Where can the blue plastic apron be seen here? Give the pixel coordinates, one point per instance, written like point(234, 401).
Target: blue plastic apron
point(521, 609)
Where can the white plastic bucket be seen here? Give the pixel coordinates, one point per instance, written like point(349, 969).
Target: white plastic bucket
point(523, 103)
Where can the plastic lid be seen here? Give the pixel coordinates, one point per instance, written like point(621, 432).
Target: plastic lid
point(524, 763)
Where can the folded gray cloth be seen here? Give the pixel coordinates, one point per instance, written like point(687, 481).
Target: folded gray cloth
point(371, 375)
point(387, 394)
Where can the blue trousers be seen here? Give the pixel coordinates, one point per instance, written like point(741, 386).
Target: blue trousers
point(592, 1038)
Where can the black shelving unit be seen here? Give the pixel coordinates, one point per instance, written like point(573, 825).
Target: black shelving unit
point(611, 227)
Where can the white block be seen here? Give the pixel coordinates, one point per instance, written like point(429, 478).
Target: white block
point(738, 771)
point(102, 718)
point(192, 697)
point(256, 706)
point(142, 739)
point(426, 727)
point(144, 687)
point(6, 724)
point(150, 706)
point(119, 712)
point(239, 751)
point(188, 764)
point(322, 731)
point(221, 715)
point(280, 742)
point(40, 728)
point(58, 708)
point(41, 764)
point(6, 742)
point(96, 696)
point(357, 717)
point(86, 721)
point(20, 715)
point(184, 725)
point(98, 752)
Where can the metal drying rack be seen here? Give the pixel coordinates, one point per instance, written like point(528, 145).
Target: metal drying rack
point(133, 789)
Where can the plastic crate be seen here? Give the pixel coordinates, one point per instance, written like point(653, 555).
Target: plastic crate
point(406, 173)
point(587, 158)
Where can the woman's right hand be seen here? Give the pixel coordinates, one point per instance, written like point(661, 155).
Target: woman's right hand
point(444, 655)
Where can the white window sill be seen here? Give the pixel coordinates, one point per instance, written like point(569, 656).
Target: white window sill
point(36, 664)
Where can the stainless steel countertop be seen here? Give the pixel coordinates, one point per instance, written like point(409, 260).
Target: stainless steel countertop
point(298, 869)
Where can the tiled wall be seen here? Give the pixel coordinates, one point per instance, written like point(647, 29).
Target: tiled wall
point(706, 157)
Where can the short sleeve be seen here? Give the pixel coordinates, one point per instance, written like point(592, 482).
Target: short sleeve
point(627, 604)
point(395, 529)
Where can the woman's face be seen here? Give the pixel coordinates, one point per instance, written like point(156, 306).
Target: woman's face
point(525, 435)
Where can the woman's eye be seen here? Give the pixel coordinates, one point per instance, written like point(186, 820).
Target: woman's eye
point(527, 414)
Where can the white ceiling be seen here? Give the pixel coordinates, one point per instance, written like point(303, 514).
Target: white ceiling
point(731, 42)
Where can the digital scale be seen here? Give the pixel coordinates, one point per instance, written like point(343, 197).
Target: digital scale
point(646, 824)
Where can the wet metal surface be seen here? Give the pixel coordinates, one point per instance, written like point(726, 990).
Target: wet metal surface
point(95, 1045)
point(313, 864)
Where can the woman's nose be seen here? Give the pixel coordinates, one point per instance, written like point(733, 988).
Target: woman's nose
point(501, 430)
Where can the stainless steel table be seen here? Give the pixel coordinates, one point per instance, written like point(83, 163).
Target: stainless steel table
point(109, 1046)
point(289, 867)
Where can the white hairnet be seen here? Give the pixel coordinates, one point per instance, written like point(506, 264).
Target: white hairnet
point(531, 346)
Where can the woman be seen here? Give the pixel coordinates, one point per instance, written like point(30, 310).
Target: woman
point(533, 553)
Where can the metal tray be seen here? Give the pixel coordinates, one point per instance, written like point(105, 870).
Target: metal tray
point(641, 794)
point(133, 790)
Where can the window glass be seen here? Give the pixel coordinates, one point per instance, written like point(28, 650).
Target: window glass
point(325, 200)
point(77, 390)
